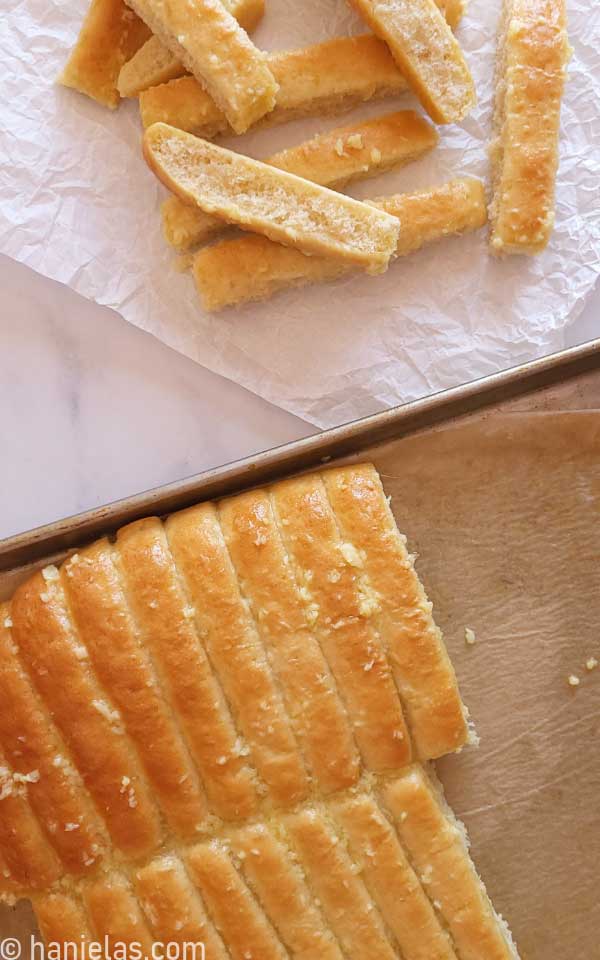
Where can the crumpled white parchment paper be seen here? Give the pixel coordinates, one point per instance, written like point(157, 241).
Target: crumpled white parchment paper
point(78, 205)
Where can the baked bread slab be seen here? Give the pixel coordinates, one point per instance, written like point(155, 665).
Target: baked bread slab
point(155, 63)
point(269, 201)
point(205, 36)
point(532, 60)
point(331, 159)
point(243, 269)
point(426, 52)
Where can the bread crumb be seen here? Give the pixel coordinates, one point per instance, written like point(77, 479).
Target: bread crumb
point(8, 622)
point(470, 637)
point(573, 681)
point(339, 147)
point(355, 140)
point(351, 554)
point(376, 155)
point(591, 663)
point(50, 572)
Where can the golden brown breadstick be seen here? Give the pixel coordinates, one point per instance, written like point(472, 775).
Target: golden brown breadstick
point(427, 53)
point(218, 52)
point(110, 35)
point(154, 63)
point(534, 51)
point(253, 268)
point(272, 202)
point(332, 159)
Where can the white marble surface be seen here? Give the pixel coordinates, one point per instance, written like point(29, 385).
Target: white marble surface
point(92, 409)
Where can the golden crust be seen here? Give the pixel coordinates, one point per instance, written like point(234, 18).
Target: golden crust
point(345, 900)
point(234, 647)
point(110, 35)
point(392, 882)
point(319, 719)
point(422, 667)
point(326, 78)
point(89, 723)
point(174, 908)
point(62, 919)
point(438, 853)
point(265, 200)
point(190, 685)
point(209, 41)
point(534, 52)
point(116, 914)
point(281, 887)
point(32, 744)
point(109, 633)
point(253, 268)
point(340, 612)
point(332, 159)
point(426, 52)
point(241, 921)
point(154, 63)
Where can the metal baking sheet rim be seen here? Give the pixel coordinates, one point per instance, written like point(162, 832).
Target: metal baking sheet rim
point(55, 539)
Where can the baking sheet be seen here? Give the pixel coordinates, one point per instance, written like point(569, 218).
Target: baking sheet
point(78, 205)
point(504, 512)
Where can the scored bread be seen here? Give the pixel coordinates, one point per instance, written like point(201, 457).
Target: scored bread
point(331, 159)
point(253, 268)
point(532, 59)
point(110, 35)
point(154, 63)
point(266, 200)
point(325, 78)
point(218, 52)
point(426, 52)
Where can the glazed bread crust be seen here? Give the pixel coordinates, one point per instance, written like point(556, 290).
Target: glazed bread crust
point(244, 269)
point(532, 60)
point(331, 159)
point(209, 41)
point(154, 63)
point(426, 52)
point(266, 200)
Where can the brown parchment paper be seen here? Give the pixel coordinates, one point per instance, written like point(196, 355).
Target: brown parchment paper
point(504, 513)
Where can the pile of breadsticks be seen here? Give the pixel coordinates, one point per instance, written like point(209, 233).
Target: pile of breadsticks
point(198, 75)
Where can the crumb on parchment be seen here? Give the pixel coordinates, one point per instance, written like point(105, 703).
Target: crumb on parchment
point(470, 637)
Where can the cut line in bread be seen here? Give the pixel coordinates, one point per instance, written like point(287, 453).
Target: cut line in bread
point(332, 159)
point(532, 58)
point(244, 269)
point(205, 36)
point(154, 63)
point(427, 53)
point(269, 201)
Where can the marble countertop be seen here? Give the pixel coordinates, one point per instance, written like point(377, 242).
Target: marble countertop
point(94, 410)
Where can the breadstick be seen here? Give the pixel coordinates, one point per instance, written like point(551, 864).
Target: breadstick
point(327, 78)
point(154, 63)
point(534, 51)
point(110, 35)
point(218, 52)
point(426, 51)
point(278, 204)
point(332, 159)
point(252, 268)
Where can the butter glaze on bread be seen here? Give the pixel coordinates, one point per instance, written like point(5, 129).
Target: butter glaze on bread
point(426, 52)
point(269, 201)
point(331, 159)
point(532, 60)
point(212, 45)
point(155, 63)
point(247, 637)
point(243, 269)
